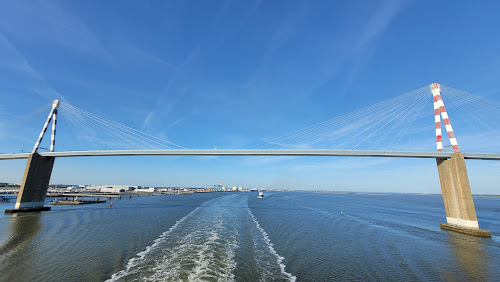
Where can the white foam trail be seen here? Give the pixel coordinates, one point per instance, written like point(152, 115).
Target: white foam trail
point(205, 259)
point(195, 248)
point(279, 258)
point(140, 256)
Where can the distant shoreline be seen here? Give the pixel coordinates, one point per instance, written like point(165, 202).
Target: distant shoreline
point(16, 188)
point(379, 193)
point(342, 193)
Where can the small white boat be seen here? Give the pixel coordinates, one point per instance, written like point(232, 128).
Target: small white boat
point(261, 194)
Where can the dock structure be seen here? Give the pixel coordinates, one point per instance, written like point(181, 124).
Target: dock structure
point(76, 202)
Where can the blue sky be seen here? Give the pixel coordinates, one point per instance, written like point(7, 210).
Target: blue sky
point(233, 73)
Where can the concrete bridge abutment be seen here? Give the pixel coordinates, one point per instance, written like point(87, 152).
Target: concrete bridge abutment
point(35, 184)
point(457, 197)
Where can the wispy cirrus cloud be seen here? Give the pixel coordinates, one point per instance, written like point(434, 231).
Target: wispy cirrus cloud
point(51, 26)
point(380, 20)
point(283, 32)
point(179, 82)
point(241, 24)
point(2, 129)
point(259, 161)
point(16, 61)
point(148, 118)
point(174, 90)
point(344, 164)
point(51, 23)
point(141, 55)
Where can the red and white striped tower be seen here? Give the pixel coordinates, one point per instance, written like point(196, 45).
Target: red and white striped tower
point(54, 123)
point(52, 115)
point(440, 110)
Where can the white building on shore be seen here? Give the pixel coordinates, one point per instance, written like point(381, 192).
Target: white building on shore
point(145, 190)
point(109, 188)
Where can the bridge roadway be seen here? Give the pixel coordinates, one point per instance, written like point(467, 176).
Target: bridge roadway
point(258, 152)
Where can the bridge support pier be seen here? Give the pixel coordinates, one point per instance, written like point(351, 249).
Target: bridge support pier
point(457, 197)
point(35, 184)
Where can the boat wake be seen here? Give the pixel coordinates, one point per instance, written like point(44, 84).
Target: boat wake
point(279, 259)
point(206, 245)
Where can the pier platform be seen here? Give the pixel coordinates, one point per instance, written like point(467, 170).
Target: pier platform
point(19, 210)
point(470, 231)
point(75, 202)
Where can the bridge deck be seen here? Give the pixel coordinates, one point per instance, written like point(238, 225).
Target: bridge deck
point(258, 152)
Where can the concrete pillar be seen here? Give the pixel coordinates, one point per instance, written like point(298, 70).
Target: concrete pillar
point(457, 196)
point(35, 184)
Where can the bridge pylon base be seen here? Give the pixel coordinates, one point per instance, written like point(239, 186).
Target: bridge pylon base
point(457, 197)
point(35, 184)
point(465, 230)
point(27, 210)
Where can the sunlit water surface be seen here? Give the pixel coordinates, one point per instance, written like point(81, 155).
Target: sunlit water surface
point(236, 236)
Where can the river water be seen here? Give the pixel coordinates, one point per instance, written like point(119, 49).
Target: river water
point(236, 236)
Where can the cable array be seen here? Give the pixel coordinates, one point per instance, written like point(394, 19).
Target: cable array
point(383, 124)
point(479, 112)
point(404, 122)
point(97, 133)
point(475, 120)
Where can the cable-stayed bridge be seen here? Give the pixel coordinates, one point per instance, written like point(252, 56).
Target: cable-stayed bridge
point(385, 129)
point(398, 127)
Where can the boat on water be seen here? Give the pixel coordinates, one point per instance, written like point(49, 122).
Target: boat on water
point(261, 194)
point(75, 202)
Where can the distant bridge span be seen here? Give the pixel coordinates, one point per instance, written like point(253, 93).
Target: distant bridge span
point(259, 152)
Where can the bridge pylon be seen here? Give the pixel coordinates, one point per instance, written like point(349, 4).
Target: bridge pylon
point(455, 187)
point(37, 173)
